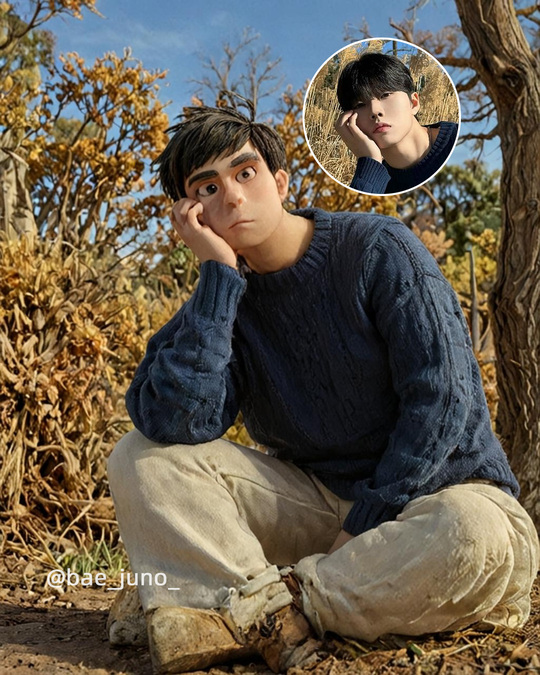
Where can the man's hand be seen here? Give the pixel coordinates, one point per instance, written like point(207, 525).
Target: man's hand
point(201, 239)
point(342, 538)
point(355, 139)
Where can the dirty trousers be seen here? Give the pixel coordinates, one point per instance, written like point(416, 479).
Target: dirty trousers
point(219, 520)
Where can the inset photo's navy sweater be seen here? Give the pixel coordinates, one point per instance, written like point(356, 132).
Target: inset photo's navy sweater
point(379, 178)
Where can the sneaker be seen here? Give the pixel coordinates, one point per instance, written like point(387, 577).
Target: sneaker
point(182, 639)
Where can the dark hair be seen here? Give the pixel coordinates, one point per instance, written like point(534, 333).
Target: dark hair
point(204, 133)
point(370, 76)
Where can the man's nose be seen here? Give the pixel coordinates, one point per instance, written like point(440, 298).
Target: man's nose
point(375, 108)
point(234, 194)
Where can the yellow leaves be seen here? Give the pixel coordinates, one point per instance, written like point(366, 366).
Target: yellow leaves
point(458, 270)
point(238, 434)
point(74, 7)
point(436, 242)
point(101, 155)
point(7, 83)
point(289, 119)
point(487, 241)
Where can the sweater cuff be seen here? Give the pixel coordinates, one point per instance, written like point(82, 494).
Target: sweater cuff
point(365, 516)
point(219, 292)
point(370, 176)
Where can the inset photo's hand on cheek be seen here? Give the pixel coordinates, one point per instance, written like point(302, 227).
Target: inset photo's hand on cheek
point(187, 218)
point(354, 138)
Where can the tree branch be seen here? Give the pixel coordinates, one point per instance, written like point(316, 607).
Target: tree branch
point(406, 31)
point(528, 11)
point(469, 84)
point(480, 137)
point(482, 112)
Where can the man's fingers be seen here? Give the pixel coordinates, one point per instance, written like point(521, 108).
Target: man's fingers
point(194, 212)
point(180, 209)
point(185, 213)
point(352, 128)
point(343, 119)
point(347, 128)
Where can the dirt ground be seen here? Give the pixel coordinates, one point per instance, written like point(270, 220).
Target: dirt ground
point(42, 632)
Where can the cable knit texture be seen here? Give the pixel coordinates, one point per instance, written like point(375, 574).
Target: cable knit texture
point(380, 178)
point(355, 363)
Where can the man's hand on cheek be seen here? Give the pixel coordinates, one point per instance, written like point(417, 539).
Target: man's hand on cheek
point(355, 139)
point(187, 220)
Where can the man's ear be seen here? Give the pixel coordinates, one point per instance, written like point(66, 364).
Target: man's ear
point(282, 182)
point(415, 103)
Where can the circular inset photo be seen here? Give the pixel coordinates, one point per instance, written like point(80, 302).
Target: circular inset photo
point(381, 116)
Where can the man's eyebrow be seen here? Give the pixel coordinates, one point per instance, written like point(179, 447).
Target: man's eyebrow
point(244, 157)
point(211, 173)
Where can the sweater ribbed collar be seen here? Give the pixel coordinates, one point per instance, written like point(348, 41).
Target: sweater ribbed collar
point(446, 129)
point(312, 260)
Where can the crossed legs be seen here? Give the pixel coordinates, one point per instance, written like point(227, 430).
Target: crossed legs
point(219, 519)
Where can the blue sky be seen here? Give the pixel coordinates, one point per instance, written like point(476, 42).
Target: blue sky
point(171, 34)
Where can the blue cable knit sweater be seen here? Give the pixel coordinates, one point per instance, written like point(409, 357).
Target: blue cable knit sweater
point(355, 363)
point(380, 178)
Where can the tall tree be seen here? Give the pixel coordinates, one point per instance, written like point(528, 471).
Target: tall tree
point(510, 71)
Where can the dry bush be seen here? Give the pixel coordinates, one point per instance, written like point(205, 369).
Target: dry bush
point(437, 96)
point(72, 330)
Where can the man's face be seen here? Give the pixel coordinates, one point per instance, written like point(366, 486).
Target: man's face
point(242, 200)
point(389, 119)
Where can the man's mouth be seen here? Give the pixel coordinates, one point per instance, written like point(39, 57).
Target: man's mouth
point(244, 221)
point(380, 128)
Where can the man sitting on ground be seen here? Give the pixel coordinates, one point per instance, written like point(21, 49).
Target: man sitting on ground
point(383, 484)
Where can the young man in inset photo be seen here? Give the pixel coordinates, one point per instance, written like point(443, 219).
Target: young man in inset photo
point(383, 502)
point(394, 151)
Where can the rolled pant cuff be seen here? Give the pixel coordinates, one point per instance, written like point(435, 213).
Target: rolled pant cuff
point(305, 572)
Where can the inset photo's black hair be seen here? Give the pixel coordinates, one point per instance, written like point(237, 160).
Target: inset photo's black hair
point(370, 76)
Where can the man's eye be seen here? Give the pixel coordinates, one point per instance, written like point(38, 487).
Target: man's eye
point(386, 94)
point(359, 105)
point(206, 190)
point(246, 174)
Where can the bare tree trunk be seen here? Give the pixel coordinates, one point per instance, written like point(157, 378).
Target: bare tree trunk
point(511, 73)
point(16, 216)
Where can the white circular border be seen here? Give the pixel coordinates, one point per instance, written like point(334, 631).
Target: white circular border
point(358, 42)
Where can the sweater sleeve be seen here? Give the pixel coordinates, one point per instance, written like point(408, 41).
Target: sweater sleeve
point(419, 317)
point(186, 389)
point(370, 176)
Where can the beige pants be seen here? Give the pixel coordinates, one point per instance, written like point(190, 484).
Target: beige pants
point(217, 520)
